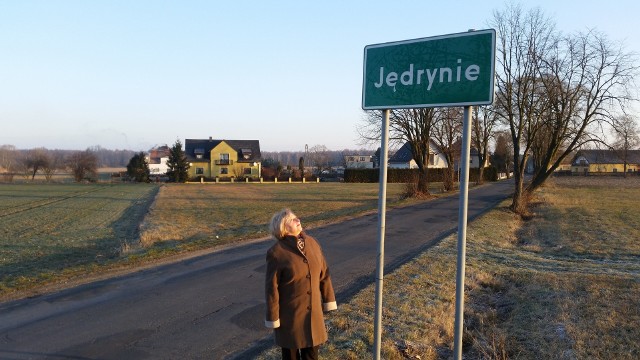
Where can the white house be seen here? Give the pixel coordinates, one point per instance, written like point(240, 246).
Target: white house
point(474, 160)
point(403, 158)
point(157, 160)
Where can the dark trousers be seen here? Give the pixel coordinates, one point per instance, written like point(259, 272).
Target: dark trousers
point(310, 353)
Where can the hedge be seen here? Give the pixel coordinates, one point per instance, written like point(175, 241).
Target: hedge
point(411, 175)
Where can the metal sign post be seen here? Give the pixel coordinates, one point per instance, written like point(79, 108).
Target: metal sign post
point(382, 206)
point(462, 231)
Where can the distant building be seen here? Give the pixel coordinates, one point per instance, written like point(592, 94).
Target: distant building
point(403, 158)
point(157, 160)
point(359, 161)
point(223, 158)
point(604, 161)
point(474, 160)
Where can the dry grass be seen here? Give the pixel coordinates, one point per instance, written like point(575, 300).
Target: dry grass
point(563, 285)
point(197, 215)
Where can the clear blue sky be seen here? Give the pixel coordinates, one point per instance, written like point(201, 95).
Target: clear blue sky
point(133, 74)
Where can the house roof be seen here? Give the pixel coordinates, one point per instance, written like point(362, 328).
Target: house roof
point(405, 155)
point(606, 157)
point(157, 153)
point(247, 150)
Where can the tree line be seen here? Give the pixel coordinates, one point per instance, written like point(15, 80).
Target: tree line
point(318, 157)
point(83, 165)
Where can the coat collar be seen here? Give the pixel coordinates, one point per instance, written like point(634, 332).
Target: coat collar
point(291, 241)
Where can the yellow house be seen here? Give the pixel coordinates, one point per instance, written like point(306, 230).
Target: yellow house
point(605, 161)
point(210, 158)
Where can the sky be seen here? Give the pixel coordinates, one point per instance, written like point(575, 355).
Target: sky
point(137, 74)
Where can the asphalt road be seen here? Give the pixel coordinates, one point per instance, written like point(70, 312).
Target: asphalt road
point(212, 307)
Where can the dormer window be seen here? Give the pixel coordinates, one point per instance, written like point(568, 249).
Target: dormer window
point(199, 152)
point(246, 153)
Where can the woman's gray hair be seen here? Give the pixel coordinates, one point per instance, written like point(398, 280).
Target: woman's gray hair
point(278, 222)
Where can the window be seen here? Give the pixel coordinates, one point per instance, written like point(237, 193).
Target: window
point(247, 171)
point(362, 158)
point(432, 159)
point(199, 171)
point(224, 160)
point(224, 171)
point(246, 153)
point(351, 158)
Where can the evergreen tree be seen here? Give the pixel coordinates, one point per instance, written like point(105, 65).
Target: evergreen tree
point(301, 166)
point(138, 168)
point(178, 164)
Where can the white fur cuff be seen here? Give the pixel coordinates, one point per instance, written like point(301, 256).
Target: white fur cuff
point(272, 324)
point(330, 306)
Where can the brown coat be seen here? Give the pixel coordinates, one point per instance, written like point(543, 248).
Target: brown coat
point(297, 286)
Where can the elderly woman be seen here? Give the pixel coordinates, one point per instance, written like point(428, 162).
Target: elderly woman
point(298, 289)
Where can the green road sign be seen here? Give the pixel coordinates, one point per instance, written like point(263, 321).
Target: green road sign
point(440, 71)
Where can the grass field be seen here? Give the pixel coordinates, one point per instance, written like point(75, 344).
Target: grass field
point(54, 233)
point(563, 285)
point(48, 230)
point(209, 215)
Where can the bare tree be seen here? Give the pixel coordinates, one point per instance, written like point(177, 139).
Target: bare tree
point(523, 40)
point(405, 125)
point(554, 91)
point(54, 164)
point(35, 160)
point(484, 121)
point(7, 161)
point(83, 165)
point(446, 132)
point(319, 157)
point(627, 137)
point(586, 80)
point(22, 165)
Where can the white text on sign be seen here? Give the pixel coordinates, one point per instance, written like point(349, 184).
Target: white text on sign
point(471, 73)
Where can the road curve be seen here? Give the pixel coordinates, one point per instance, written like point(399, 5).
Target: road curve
point(212, 307)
